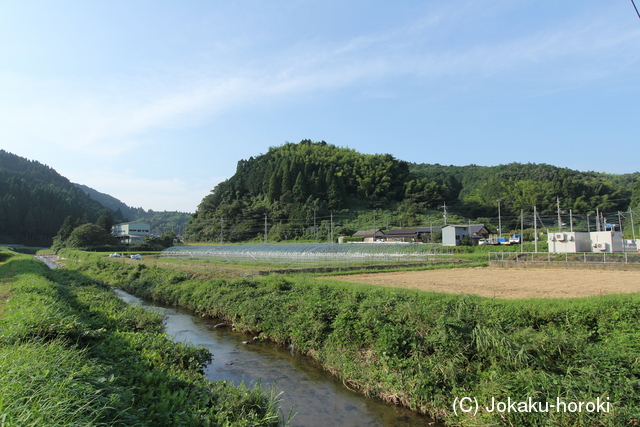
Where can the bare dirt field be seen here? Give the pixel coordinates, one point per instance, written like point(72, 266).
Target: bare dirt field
point(508, 283)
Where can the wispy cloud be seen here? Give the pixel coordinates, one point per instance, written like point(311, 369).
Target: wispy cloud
point(117, 113)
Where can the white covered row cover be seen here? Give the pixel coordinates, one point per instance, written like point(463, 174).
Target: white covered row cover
point(309, 253)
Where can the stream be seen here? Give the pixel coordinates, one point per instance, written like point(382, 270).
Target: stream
point(313, 395)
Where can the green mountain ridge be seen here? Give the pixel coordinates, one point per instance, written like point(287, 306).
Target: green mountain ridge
point(313, 190)
point(293, 186)
point(106, 200)
point(159, 221)
point(35, 200)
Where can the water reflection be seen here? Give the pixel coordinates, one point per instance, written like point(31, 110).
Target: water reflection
point(317, 398)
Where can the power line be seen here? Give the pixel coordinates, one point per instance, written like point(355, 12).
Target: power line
point(634, 6)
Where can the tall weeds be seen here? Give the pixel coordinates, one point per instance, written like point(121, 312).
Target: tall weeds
point(422, 350)
point(73, 354)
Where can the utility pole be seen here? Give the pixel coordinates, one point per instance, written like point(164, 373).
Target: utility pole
point(597, 220)
point(265, 228)
point(559, 216)
point(444, 206)
point(535, 227)
point(522, 230)
point(499, 219)
point(588, 224)
point(221, 228)
point(619, 221)
point(315, 229)
point(374, 235)
point(374, 225)
point(633, 228)
point(571, 219)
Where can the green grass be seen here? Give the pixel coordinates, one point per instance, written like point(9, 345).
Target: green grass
point(72, 353)
point(422, 349)
point(48, 384)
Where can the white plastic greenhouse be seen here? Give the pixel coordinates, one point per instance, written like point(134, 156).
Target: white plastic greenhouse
point(311, 254)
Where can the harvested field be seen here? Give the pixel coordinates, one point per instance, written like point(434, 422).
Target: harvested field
point(508, 283)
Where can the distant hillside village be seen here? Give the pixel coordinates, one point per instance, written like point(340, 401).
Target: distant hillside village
point(609, 239)
point(448, 235)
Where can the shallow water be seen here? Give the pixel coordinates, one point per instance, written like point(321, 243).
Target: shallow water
point(47, 260)
point(314, 396)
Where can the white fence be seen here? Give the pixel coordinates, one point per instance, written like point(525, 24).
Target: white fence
point(565, 258)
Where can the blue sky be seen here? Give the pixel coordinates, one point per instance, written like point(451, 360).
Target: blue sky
point(154, 102)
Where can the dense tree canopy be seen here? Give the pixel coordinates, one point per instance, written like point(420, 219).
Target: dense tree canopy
point(35, 200)
point(475, 189)
point(90, 235)
point(292, 184)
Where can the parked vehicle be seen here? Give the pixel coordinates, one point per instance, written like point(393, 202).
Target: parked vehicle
point(515, 239)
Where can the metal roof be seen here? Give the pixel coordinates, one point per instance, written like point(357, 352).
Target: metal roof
point(403, 232)
point(371, 232)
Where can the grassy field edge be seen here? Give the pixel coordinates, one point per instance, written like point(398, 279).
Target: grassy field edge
point(72, 353)
point(423, 350)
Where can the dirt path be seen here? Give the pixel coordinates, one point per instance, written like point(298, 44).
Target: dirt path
point(509, 283)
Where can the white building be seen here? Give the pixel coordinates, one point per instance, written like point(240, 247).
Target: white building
point(452, 234)
point(131, 233)
point(582, 241)
point(571, 242)
point(606, 241)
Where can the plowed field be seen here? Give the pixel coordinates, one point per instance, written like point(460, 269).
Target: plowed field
point(509, 283)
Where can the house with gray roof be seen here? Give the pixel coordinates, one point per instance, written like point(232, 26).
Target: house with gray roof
point(370, 236)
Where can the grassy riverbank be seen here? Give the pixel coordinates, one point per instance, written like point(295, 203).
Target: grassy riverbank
point(73, 354)
point(422, 350)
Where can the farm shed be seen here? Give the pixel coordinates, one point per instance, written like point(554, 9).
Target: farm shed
point(372, 235)
point(452, 234)
point(404, 235)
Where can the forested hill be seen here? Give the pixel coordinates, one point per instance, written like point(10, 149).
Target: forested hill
point(290, 181)
point(290, 184)
point(35, 200)
point(474, 189)
point(107, 200)
point(160, 221)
